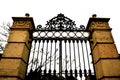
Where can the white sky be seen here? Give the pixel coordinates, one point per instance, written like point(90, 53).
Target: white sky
point(77, 10)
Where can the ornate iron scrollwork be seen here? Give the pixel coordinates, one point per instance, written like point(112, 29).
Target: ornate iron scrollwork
point(62, 27)
point(60, 22)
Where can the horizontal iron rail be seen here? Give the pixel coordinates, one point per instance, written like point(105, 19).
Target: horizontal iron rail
point(51, 30)
point(63, 38)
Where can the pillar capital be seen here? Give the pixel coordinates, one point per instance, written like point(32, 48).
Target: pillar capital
point(100, 30)
point(23, 22)
point(97, 23)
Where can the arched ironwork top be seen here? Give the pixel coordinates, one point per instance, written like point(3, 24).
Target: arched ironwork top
point(60, 23)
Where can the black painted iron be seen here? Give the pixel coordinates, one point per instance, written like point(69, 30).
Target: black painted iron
point(62, 44)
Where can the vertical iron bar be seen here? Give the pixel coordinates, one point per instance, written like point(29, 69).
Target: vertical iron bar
point(46, 54)
point(33, 54)
point(50, 60)
point(38, 52)
point(30, 42)
point(54, 72)
point(70, 55)
point(65, 55)
point(90, 42)
point(75, 58)
point(88, 57)
point(85, 73)
point(79, 54)
point(71, 72)
point(87, 53)
point(74, 52)
point(55, 56)
point(42, 54)
point(51, 54)
point(40, 71)
point(60, 58)
point(46, 59)
point(66, 71)
point(80, 71)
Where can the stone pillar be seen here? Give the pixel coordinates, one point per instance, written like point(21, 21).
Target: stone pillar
point(105, 56)
point(13, 62)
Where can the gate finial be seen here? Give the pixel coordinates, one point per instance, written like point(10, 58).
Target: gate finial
point(27, 14)
point(94, 16)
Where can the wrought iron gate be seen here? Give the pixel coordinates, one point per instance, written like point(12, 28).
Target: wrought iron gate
point(60, 51)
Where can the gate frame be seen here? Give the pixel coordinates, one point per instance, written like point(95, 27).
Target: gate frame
point(104, 52)
point(61, 24)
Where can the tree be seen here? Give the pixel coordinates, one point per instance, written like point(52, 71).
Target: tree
point(4, 33)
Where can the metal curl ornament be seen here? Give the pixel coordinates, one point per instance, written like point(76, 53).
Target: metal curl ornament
point(39, 27)
point(82, 27)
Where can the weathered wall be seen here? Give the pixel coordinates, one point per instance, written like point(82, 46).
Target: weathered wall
point(15, 57)
point(105, 56)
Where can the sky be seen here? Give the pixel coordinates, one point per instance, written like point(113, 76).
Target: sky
point(78, 10)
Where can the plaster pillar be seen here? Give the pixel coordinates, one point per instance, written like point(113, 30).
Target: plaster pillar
point(13, 63)
point(105, 56)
